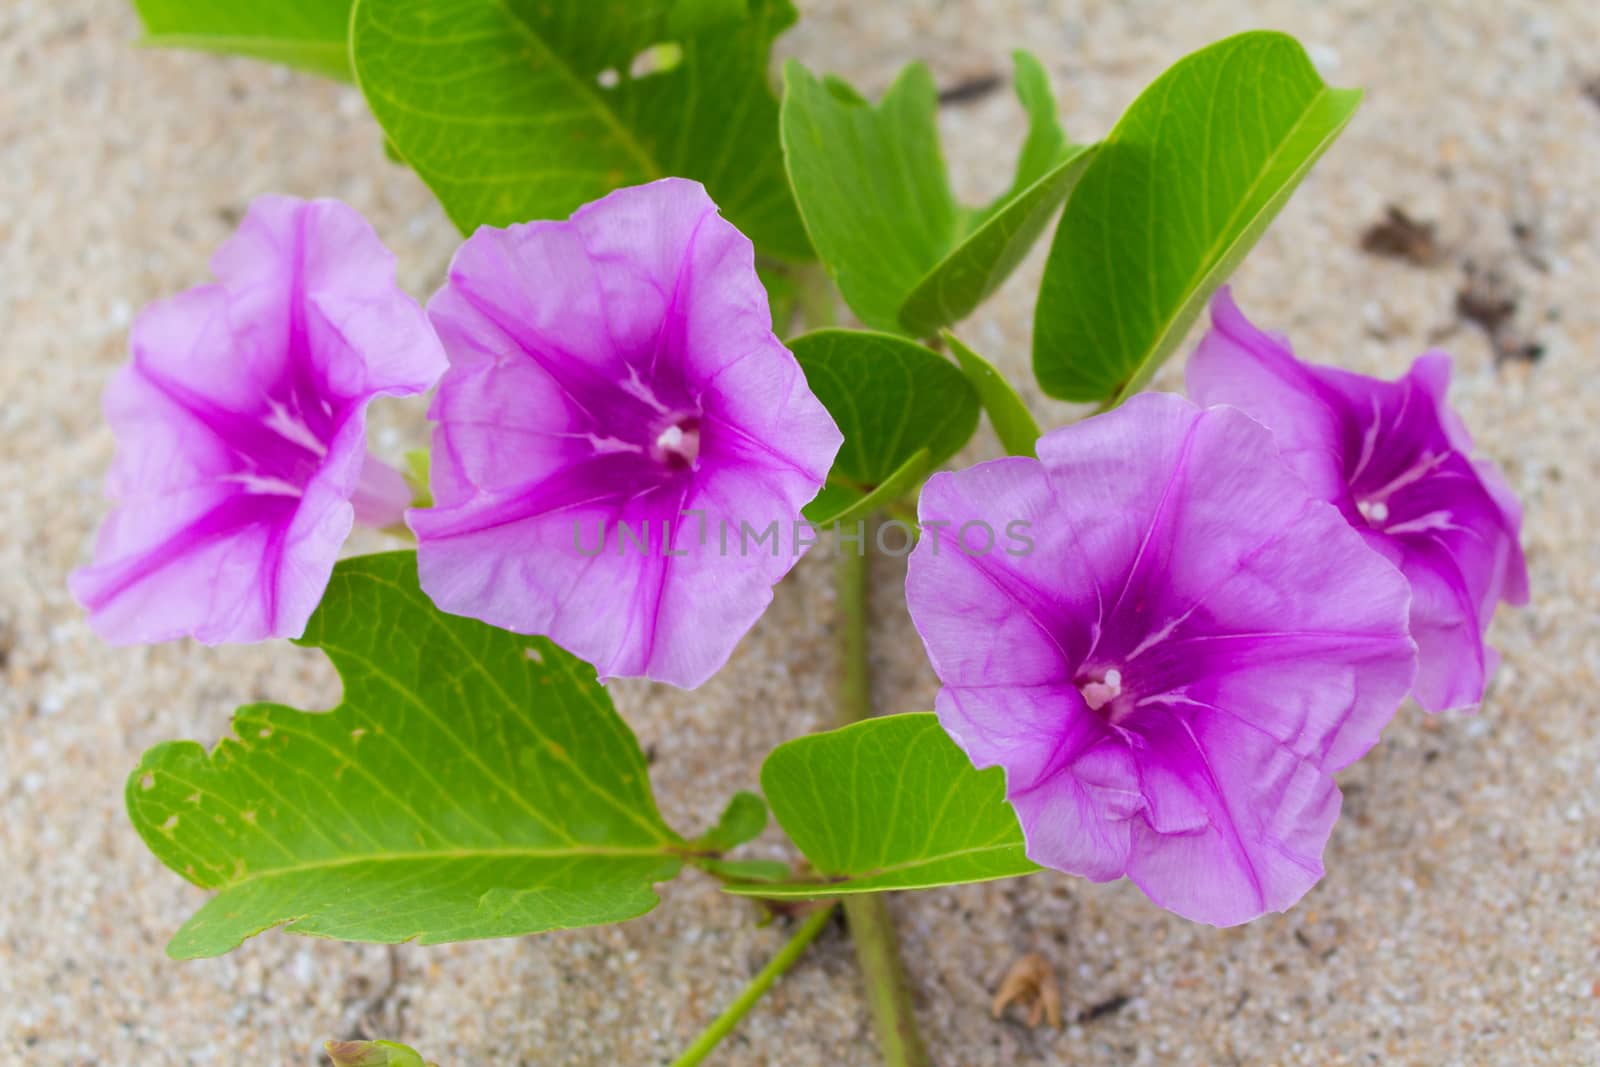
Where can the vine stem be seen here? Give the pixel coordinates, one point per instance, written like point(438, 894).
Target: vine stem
point(723, 1024)
point(815, 297)
point(871, 929)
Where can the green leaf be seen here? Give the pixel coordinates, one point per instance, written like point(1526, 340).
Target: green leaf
point(1046, 146)
point(986, 257)
point(309, 34)
point(513, 110)
point(1172, 201)
point(1007, 413)
point(842, 502)
point(889, 803)
point(472, 783)
point(872, 188)
point(746, 870)
point(742, 820)
point(894, 400)
point(373, 1054)
point(871, 185)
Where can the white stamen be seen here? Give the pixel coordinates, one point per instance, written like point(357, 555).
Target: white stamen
point(678, 444)
point(1098, 694)
point(1373, 510)
point(263, 485)
point(606, 444)
point(636, 387)
point(284, 422)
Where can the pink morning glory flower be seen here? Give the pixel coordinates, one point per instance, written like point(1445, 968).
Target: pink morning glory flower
point(240, 422)
point(1175, 667)
point(616, 415)
point(1397, 461)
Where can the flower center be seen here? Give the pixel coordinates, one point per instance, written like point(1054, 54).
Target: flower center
point(279, 450)
point(677, 444)
point(1393, 500)
point(1102, 690)
point(1376, 512)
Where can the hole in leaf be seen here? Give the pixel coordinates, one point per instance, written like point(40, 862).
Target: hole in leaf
point(265, 732)
point(147, 782)
point(358, 733)
point(533, 654)
point(171, 824)
point(608, 78)
point(657, 59)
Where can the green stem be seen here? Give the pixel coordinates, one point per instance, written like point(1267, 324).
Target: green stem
point(906, 513)
point(871, 929)
point(723, 1024)
point(815, 297)
point(853, 701)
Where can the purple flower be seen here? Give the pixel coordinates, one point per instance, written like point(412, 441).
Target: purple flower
point(1172, 672)
point(241, 431)
point(616, 404)
point(1398, 463)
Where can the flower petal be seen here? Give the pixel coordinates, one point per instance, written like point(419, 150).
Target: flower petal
point(1268, 815)
point(1073, 783)
point(1234, 360)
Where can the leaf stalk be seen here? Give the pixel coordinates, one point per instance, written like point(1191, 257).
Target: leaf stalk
point(723, 1024)
point(871, 929)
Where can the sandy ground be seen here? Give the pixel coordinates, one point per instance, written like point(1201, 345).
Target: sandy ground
point(1457, 924)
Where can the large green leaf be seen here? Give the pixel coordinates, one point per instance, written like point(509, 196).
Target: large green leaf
point(871, 185)
point(472, 783)
point(309, 34)
point(902, 408)
point(513, 110)
point(1172, 201)
point(889, 803)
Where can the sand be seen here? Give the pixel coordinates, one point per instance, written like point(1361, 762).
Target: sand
point(1457, 923)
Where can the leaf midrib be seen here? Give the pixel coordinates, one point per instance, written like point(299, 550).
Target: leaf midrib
point(850, 880)
point(995, 217)
point(1232, 232)
point(459, 854)
point(585, 92)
